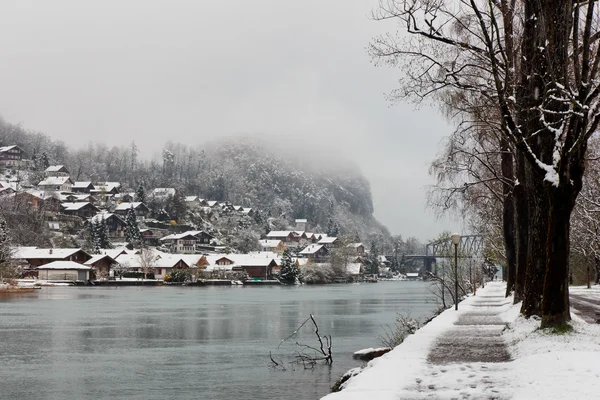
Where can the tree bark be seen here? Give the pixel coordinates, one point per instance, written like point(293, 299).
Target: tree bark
point(555, 304)
point(508, 214)
point(522, 229)
point(536, 247)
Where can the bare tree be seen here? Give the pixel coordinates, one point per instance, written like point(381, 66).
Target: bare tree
point(537, 63)
point(147, 261)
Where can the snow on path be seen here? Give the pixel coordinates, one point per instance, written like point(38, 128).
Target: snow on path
point(467, 355)
point(422, 367)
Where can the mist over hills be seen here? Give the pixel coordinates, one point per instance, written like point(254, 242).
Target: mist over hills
point(284, 181)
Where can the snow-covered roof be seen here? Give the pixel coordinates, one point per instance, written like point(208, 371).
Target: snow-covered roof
point(126, 206)
point(56, 168)
point(278, 234)
point(177, 236)
point(7, 148)
point(163, 192)
point(65, 265)
point(190, 199)
point(301, 221)
point(104, 215)
point(212, 203)
point(312, 249)
point(6, 184)
point(82, 184)
point(40, 194)
point(114, 253)
point(76, 206)
point(269, 243)
point(328, 240)
point(55, 181)
point(49, 254)
point(97, 258)
point(246, 210)
point(106, 187)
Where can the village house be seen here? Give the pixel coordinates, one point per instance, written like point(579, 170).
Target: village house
point(124, 197)
point(213, 204)
point(193, 202)
point(38, 200)
point(315, 252)
point(301, 224)
point(358, 248)
point(141, 210)
point(56, 170)
point(276, 246)
point(115, 224)
point(256, 267)
point(166, 264)
point(162, 193)
point(101, 264)
point(36, 257)
point(11, 156)
point(149, 237)
point(56, 184)
point(328, 241)
point(186, 242)
point(284, 236)
point(248, 211)
point(82, 187)
point(64, 271)
point(106, 189)
point(80, 209)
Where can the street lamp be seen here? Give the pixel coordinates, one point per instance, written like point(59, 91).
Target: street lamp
point(455, 240)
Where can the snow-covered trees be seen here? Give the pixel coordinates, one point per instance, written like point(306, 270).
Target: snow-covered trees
point(132, 231)
point(5, 249)
point(527, 71)
point(97, 235)
point(289, 269)
point(140, 193)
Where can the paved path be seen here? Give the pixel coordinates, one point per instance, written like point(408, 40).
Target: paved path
point(586, 308)
point(470, 360)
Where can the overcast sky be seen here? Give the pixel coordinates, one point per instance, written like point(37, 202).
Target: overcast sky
point(193, 70)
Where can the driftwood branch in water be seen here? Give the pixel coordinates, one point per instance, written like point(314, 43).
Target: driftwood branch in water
point(306, 355)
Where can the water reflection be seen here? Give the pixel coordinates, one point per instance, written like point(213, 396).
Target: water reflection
point(186, 343)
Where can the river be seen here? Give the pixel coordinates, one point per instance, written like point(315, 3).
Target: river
point(188, 342)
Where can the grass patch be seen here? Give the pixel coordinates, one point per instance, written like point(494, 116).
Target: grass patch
point(562, 329)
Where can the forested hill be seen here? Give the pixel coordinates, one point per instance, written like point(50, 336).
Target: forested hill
point(283, 184)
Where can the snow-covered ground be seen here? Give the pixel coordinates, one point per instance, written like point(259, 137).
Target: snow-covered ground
point(592, 293)
point(544, 365)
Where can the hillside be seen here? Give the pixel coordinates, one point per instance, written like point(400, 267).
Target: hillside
point(284, 184)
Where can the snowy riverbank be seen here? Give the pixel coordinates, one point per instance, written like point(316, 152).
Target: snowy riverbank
point(544, 365)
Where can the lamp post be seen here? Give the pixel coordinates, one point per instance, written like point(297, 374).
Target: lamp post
point(455, 240)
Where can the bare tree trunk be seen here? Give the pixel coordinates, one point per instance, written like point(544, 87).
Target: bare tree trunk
point(508, 214)
point(522, 229)
point(536, 249)
point(555, 303)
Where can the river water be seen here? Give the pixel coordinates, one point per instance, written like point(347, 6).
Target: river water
point(188, 342)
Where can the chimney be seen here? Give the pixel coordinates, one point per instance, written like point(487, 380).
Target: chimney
point(50, 251)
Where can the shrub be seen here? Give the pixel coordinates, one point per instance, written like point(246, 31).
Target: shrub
point(178, 275)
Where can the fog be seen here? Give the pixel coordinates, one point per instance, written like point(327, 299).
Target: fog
point(193, 71)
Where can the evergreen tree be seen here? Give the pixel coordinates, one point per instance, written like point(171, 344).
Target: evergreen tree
point(102, 233)
point(5, 248)
point(289, 269)
point(179, 206)
point(140, 193)
point(132, 231)
point(92, 243)
point(333, 229)
point(373, 259)
point(44, 162)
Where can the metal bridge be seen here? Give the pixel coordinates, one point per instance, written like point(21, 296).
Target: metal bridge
point(470, 246)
